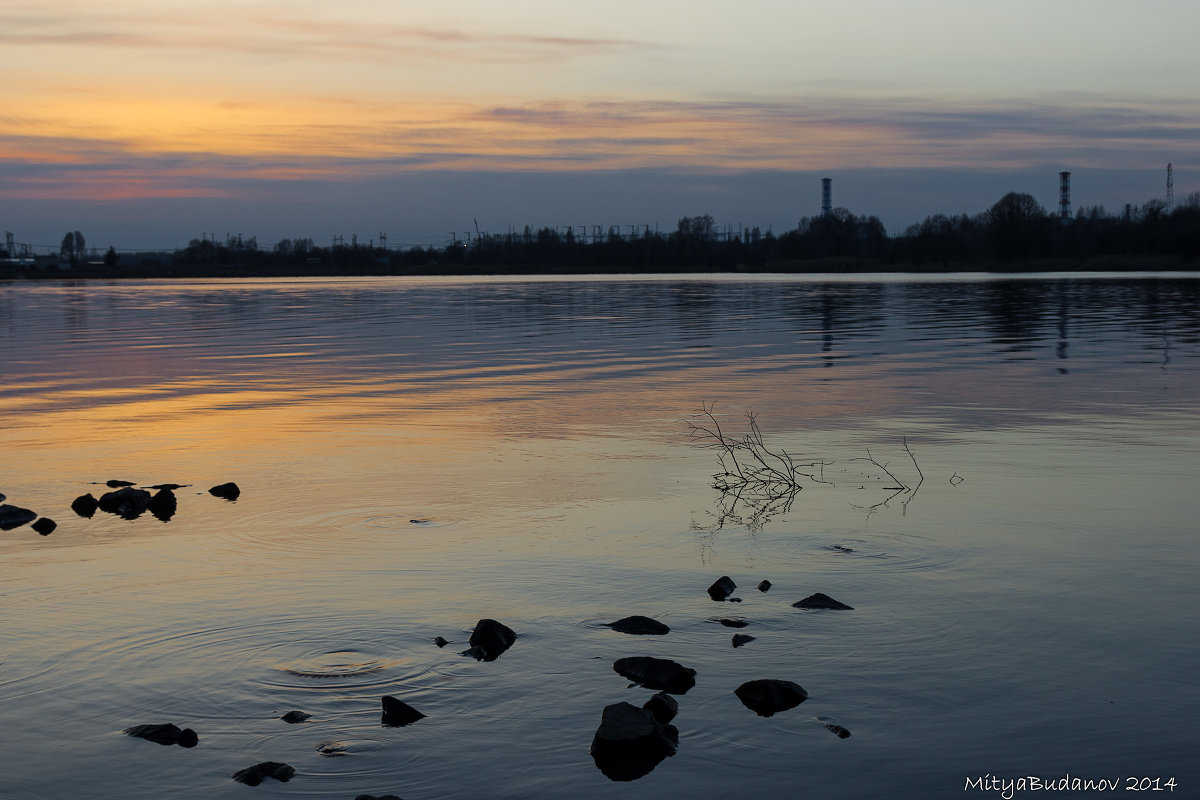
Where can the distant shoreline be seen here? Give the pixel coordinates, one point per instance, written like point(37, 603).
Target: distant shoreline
point(822, 266)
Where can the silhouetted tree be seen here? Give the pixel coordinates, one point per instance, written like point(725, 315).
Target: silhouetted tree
point(1018, 226)
point(72, 248)
point(111, 257)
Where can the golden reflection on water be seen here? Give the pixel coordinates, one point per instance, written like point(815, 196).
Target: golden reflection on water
point(527, 459)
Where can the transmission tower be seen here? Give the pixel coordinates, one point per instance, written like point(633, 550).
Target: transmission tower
point(1170, 189)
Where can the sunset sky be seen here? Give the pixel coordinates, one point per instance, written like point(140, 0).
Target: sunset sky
point(144, 125)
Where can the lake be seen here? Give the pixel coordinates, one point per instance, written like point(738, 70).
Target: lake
point(415, 455)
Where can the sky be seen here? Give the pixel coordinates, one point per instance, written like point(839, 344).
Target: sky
point(146, 124)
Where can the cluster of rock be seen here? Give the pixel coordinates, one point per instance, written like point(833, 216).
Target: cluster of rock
point(489, 639)
point(12, 517)
point(631, 741)
point(125, 501)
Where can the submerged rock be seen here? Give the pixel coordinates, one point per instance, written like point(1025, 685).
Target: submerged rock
point(165, 734)
point(639, 626)
point(821, 600)
point(169, 486)
point(253, 776)
point(440, 642)
point(656, 673)
point(332, 748)
point(127, 503)
point(768, 696)
point(295, 716)
point(397, 713)
point(631, 742)
point(722, 588)
point(85, 505)
point(764, 585)
point(163, 504)
point(15, 516)
point(740, 639)
point(731, 622)
point(228, 491)
point(489, 639)
point(115, 484)
point(834, 728)
point(378, 797)
point(45, 526)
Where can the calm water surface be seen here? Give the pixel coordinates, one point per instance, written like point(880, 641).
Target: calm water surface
point(1031, 609)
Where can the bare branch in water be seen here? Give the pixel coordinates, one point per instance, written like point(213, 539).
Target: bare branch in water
point(757, 481)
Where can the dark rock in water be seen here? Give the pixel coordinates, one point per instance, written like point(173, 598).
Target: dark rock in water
point(722, 588)
point(127, 503)
point(476, 652)
point(732, 623)
point(656, 673)
point(332, 749)
point(639, 626)
point(45, 526)
point(841, 549)
point(169, 486)
point(118, 484)
point(165, 734)
point(228, 491)
point(378, 797)
point(740, 639)
point(768, 696)
point(820, 600)
point(492, 638)
point(663, 706)
point(440, 642)
point(764, 585)
point(397, 712)
point(630, 742)
point(295, 716)
point(163, 504)
point(15, 516)
point(85, 505)
point(253, 776)
point(419, 521)
point(3, 497)
point(834, 728)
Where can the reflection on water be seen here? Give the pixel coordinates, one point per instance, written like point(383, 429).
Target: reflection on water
point(416, 455)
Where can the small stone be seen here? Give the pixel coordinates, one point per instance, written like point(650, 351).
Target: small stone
point(127, 503)
point(397, 712)
point(768, 696)
point(722, 588)
point(332, 749)
point(170, 487)
point(163, 504)
point(85, 505)
point(295, 716)
point(492, 637)
point(227, 491)
point(165, 734)
point(630, 742)
point(440, 642)
point(115, 484)
point(15, 516)
point(834, 728)
point(740, 639)
point(733, 623)
point(253, 776)
point(378, 797)
point(45, 526)
point(663, 706)
point(821, 600)
point(764, 585)
point(639, 626)
point(656, 673)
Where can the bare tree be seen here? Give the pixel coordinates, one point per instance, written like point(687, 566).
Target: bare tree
point(73, 247)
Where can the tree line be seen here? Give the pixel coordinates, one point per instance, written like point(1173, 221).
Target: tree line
point(1015, 233)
